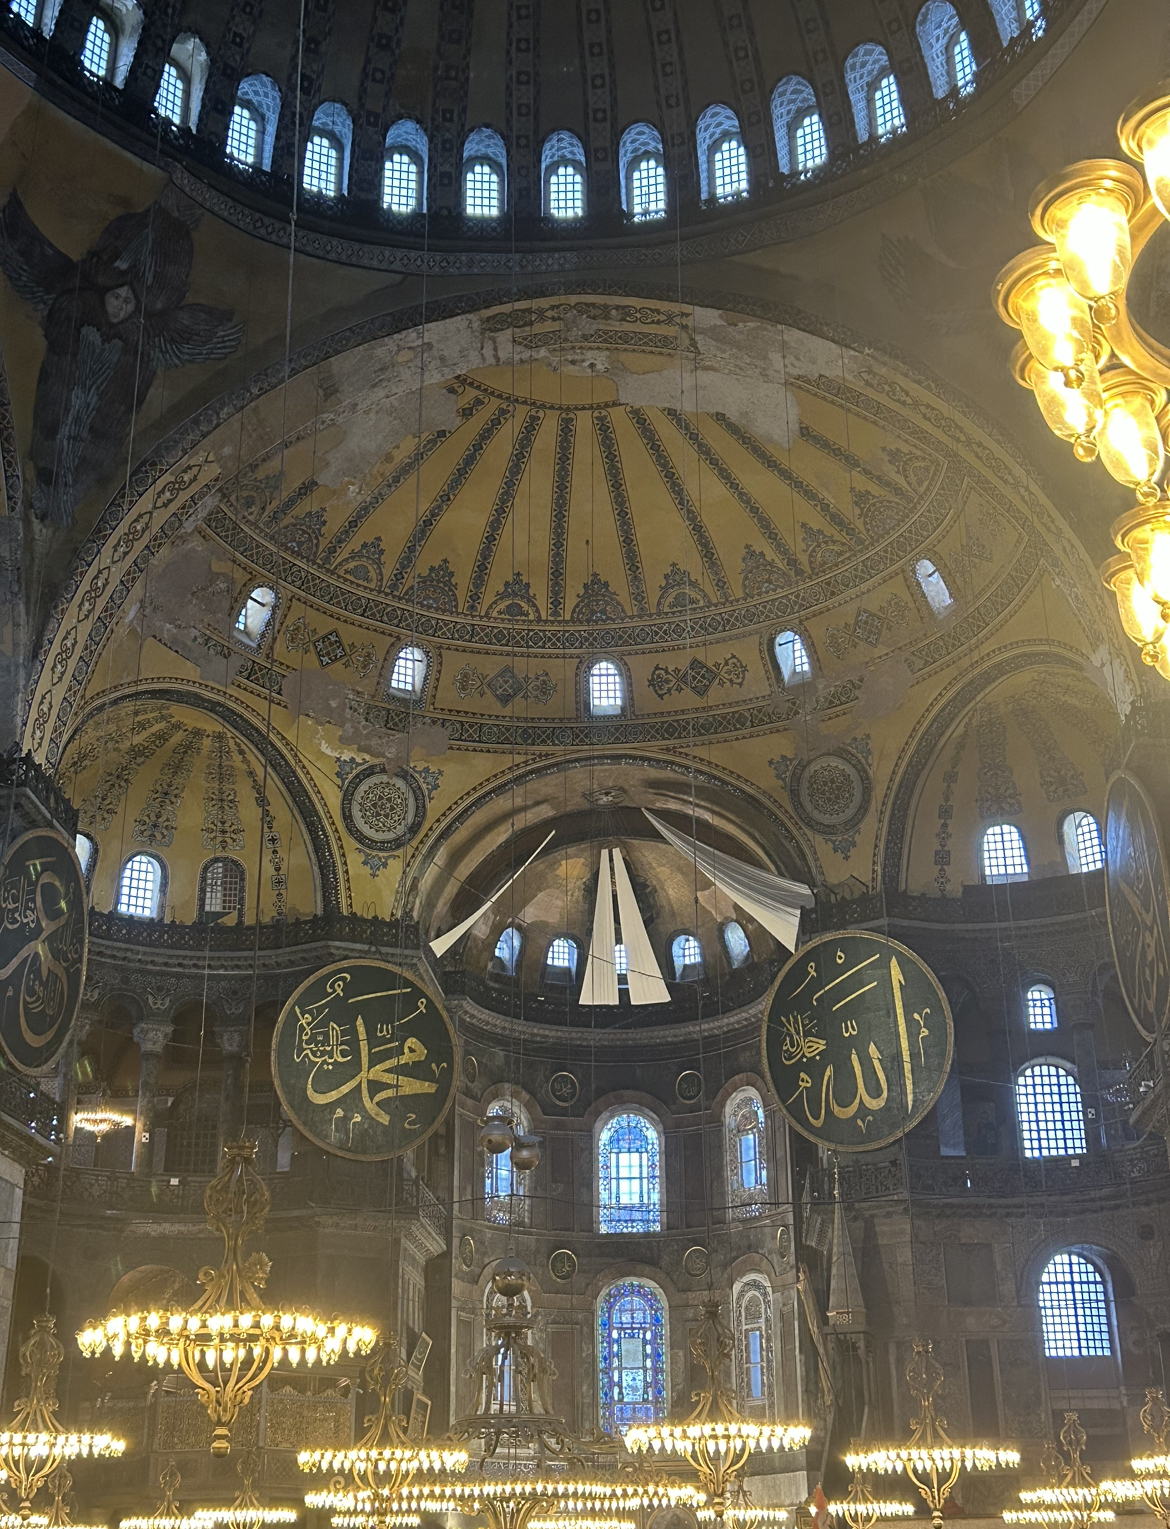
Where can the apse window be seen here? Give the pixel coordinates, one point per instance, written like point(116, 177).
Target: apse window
point(97, 51)
point(1083, 850)
point(886, 104)
point(729, 170)
point(627, 1172)
point(933, 586)
point(1004, 856)
point(735, 942)
point(792, 658)
point(408, 672)
point(747, 1171)
point(687, 955)
point(172, 100)
point(481, 190)
point(754, 1362)
point(632, 1348)
point(606, 691)
point(139, 887)
point(1040, 1002)
point(256, 614)
point(400, 181)
point(647, 189)
point(564, 192)
point(560, 964)
point(1074, 1309)
point(1052, 1120)
point(810, 148)
point(322, 171)
point(507, 952)
point(243, 136)
point(223, 886)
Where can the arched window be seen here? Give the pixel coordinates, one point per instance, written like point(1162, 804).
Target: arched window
point(933, 586)
point(560, 962)
point(1012, 16)
point(140, 886)
point(97, 51)
point(507, 952)
point(1003, 855)
point(605, 688)
point(687, 955)
point(1083, 849)
point(172, 99)
point(886, 107)
point(628, 1175)
point(404, 169)
point(1048, 1102)
point(797, 126)
point(632, 1348)
point(873, 91)
point(1040, 1002)
point(621, 965)
point(754, 1360)
point(251, 132)
point(735, 942)
point(946, 48)
point(221, 886)
point(180, 90)
point(1074, 1309)
point(485, 187)
point(256, 614)
point(27, 10)
point(723, 168)
point(562, 175)
point(504, 1199)
point(86, 848)
point(326, 171)
point(747, 1163)
point(792, 658)
point(408, 672)
point(642, 172)
point(110, 39)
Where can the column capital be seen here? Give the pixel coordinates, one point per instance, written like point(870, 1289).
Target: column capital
point(152, 1035)
point(233, 1039)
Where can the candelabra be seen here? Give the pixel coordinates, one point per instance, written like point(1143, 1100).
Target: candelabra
point(1071, 1497)
point(861, 1510)
point(1151, 1480)
point(247, 1511)
point(61, 1486)
point(35, 1446)
point(715, 1439)
point(931, 1460)
point(166, 1515)
point(227, 1342)
point(99, 1121)
point(1100, 381)
point(513, 1502)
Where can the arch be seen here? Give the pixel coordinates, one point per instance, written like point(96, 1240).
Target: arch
point(686, 956)
point(723, 166)
point(1002, 854)
point(254, 618)
point(562, 176)
point(327, 152)
point(142, 886)
point(180, 90)
point(1074, 1300)
point(86, 848)
point(792, 656)
point(485, 174)
point(642, 172)
point(746, 1153)
point(605, 688)
point(793, 102)
point(1049, 1109)
point(408, 672)
point(629, 1157)
point(933, 586)
point(1080, 835)
point(258, 96)
point(873, 92)
point(97, 49)
point(507, 952)
point(560, 961)
point(736, 944)
point(633, 1348)
point(946, 49)
point(755, 1363)
point(222, 886)
point(505, 1197)
point(404, 168)
point(1040, 1007)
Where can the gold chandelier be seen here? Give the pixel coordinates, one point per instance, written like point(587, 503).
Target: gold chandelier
point(227, 1342)
point(1071, 1497)
point(861, 1510)
point(1151, 1479)
point(512, 1502)
point(36, 1447)
point(931, 1461)
point(99, 1121)
point(715, 1440)
point(1100, 381)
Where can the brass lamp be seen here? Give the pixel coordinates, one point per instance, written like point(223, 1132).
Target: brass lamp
point(227, 1342)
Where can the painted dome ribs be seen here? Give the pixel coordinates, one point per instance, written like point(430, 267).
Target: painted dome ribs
point(611, 461)
point(389, 485)
point(505, 498)
point(683, 503)
point(559, 526)
point(811, 496)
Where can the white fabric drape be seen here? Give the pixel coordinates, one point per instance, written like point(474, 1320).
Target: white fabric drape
point(445, 941)
point(643, 973)
point(776, 903)
point(601, 984)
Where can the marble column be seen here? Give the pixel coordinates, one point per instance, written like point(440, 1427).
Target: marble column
point(152, 1036)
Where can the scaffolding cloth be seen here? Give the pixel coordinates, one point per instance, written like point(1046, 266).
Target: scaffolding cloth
point(445, 941)
point(776, 903)
point(642, 970)
point(601, 984)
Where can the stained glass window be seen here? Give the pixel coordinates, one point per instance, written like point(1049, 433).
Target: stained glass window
point(1074, 1309)
point(1004, 855)
point(1041, 1004)
point(747, 1165)
point(628, 1175)
point(754, 1360)
point(504, 1198)
point(632, 1347)
point(1052, 1121)
point(139, 887)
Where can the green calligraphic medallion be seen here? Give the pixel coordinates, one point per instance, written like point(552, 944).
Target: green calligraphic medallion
point(1136, 904)
point(364, 1060)
point(857, 1040)
point(42, 948)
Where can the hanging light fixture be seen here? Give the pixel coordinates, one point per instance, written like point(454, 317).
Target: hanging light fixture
point(1150, 1482)
point(512, 1502)
point(861, 1510)
point(931, 1460)
point(1100, 381)
point(36, 1446)
point(61, 1486)
point(227, 1342)
point(715, 1440)
point(1071, 1497)
point(100, 1121)
point(167, 1514)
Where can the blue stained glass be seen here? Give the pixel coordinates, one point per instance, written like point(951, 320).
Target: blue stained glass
point(627, 1175)
point(631, 1346)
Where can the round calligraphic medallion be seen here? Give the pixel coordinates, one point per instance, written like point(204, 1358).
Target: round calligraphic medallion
point(857, 1040)
point(364, 1060)
point(42, 948)
point(562, 1265)
point(1136, 902)
point(383, 811)
point(563, 1088)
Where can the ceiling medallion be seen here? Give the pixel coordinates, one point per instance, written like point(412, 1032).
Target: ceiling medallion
point(562, 1265)
point(383, 811)
point(830, 793)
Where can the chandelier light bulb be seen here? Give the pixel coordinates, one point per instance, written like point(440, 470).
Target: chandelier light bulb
point(1073, 414)
point(1144, 132)
point(1130, 441)
point(1085, 211)
point(1140, 614)
point(1032, 295)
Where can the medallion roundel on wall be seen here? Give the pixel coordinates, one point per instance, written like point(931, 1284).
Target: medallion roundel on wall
point(1137, 902)
point(381, 810)
point(832, 792)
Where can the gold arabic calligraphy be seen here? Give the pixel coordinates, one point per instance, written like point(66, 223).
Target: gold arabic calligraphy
point(43, 983)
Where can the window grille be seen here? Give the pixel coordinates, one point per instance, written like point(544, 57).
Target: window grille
point(1034, 13)
point(400, 180)
point(963, 64)
point(747, 1166)
point(408, 672)
point(243, 136)
point(754, 1359)
point(632, 1349)
point(648, 189)
point(1074, 1309)
point(811, 146)
point(621, 961)
point(223, 886)
point(322, 174)
point(888, 118)
point(565, 196)
point(481, 190)
point(729, 170)
point(1041, 1004)
point(171, 100)
point(26, 10)
point(1083, 849)
point(1048, 1101)
point(605, 689)
point(627, 1175)
point(562, 955)
point(1004, 855)
point(933, 586)
point(687, 954)
point(792, 657)
point(97, 50)
point(256, 613)
point(139, 886)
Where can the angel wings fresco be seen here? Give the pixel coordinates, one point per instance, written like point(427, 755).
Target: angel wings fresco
point(112, 320)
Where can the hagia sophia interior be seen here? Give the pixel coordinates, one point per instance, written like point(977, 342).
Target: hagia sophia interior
point(584, 713)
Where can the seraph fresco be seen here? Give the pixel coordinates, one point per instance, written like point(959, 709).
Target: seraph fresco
point(112, 320)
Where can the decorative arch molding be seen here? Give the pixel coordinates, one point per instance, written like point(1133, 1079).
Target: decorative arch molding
point(892, 841)
point(330, 871)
